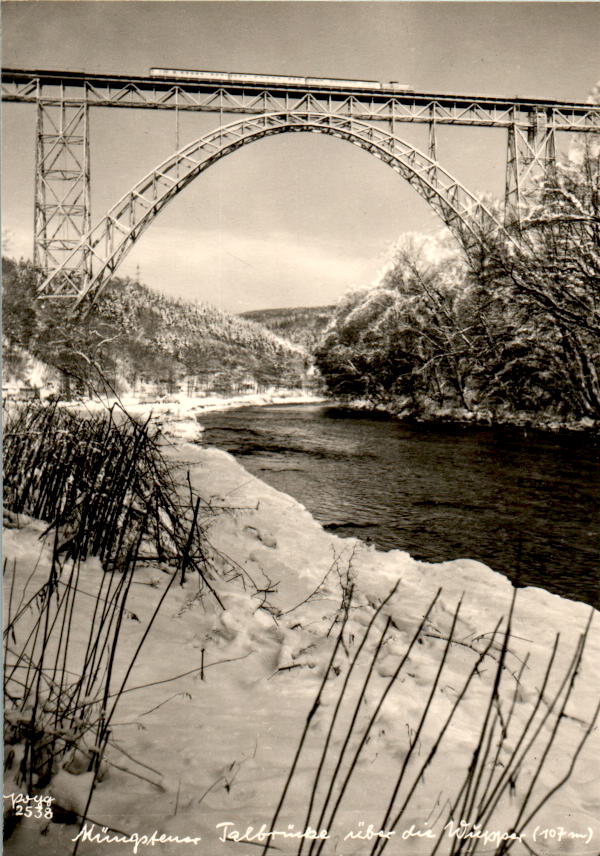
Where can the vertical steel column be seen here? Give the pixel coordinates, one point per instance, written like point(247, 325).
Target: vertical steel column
point(62, 205)
point(39, 198)
point(432, 135)
point(512, 191)
point(531, 158)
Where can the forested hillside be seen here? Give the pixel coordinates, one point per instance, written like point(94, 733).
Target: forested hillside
point(303, 325)
point(133, 335)
point(515, 336)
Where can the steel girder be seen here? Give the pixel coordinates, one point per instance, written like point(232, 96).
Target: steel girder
point(103, 248)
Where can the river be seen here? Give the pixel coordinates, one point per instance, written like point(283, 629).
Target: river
point(524, 504)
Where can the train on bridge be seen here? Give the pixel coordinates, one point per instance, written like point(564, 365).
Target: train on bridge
point(277, 80)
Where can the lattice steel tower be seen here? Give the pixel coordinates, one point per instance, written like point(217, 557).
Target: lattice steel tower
point(62, 213)
point(531, 157)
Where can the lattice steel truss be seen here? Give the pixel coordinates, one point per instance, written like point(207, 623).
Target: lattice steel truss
point(62, 212)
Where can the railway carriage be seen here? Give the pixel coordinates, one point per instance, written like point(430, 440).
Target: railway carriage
point(276, 79)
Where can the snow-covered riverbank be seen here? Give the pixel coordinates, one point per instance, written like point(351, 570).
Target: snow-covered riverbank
point(225, 694)
point(177, 414)
point(477, 416)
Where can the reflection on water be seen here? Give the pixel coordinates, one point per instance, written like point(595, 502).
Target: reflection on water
point(525, 505)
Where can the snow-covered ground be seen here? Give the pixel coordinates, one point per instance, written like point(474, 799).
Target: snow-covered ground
point(218, 743)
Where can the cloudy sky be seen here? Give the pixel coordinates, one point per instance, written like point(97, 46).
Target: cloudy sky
point(294, 219)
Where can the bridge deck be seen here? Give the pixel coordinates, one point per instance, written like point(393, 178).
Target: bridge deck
point(145, 92)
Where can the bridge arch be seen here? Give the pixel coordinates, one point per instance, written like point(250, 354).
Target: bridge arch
point(103, 248)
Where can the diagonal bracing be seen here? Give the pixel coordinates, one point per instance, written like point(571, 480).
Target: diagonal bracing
point(62, 188)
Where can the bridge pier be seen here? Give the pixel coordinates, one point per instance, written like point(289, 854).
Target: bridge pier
point(62, 210)
point(531, 156)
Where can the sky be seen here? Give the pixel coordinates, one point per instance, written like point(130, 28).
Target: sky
point(294, 219)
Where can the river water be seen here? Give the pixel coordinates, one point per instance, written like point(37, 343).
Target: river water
point(526, 505)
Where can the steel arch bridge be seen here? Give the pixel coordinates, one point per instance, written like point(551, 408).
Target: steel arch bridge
point(76, 260)
point(104, 246)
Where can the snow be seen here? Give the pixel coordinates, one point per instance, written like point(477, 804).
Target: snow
point(214, 746)
point(177, 414)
